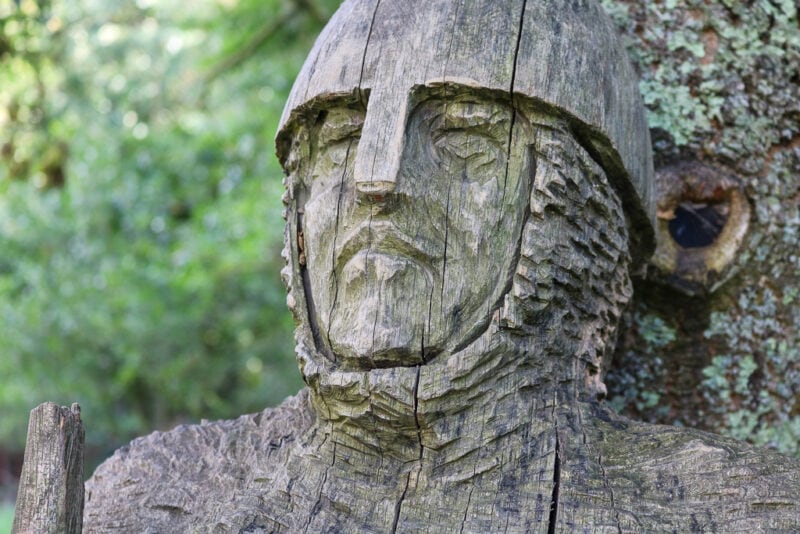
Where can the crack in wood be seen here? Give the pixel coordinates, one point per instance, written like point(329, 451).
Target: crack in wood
point(466, 509)
point(553, 518)
point(416, 411)
point(511, 94)
point(364, 55)
point(310, 306)
point(377, 310)
point(610, 492)
point(444, 255)
point(399, 505)
point(318, 504)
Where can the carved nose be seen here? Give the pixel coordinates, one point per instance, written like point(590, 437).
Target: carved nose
point(377, 166)
point(375, 190)
point(376, 171)
point(380, 149)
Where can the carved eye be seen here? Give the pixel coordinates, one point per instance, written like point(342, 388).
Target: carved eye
point(472, 150)
point(703, 219)
point(338, 132)
point(338, 151)
point(458, 143)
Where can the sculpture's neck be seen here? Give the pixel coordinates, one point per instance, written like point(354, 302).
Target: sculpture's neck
point(497, 387)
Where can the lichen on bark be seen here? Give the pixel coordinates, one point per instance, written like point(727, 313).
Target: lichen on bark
point(720, 81)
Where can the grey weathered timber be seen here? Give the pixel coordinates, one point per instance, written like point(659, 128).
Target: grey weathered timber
point(468, 184)
point(50, 495)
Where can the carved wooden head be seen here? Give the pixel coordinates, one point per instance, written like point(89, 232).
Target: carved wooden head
point(404, 266)
point(419, 140)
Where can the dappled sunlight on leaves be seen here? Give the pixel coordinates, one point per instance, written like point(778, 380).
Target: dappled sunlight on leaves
point(140, 210)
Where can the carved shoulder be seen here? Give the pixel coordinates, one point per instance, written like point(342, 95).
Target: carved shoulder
point(691, 480)
point(172, 481)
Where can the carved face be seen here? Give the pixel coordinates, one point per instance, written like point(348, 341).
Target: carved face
point(403, 265)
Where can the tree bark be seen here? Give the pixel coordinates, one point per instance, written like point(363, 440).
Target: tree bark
point(50, 496)
point(720, 80)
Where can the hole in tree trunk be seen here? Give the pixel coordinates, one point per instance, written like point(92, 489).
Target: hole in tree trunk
point(703, 216)
point(697, 224)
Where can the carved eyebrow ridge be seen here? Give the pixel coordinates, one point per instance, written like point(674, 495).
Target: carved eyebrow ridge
point(472, 116)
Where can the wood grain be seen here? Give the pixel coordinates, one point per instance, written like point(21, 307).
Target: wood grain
point(50, 495)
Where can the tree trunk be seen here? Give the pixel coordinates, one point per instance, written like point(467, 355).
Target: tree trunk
point(50, 497)
point(713, 338)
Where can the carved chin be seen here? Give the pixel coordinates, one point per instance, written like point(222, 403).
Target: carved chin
point(382, 309)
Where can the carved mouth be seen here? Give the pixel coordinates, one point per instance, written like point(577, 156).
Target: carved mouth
point(384, 238)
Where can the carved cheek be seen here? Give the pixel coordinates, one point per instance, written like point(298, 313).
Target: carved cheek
point(328, 175)
point(482, 212)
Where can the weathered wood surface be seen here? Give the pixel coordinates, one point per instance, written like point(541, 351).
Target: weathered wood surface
point(50, 494)
point(245, 475)
point(461, 223)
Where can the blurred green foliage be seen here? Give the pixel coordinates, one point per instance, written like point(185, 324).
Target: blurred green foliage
point(6, 517)
point(140, 215)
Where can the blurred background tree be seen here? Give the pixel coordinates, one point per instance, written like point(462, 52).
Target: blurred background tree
point(140, 213)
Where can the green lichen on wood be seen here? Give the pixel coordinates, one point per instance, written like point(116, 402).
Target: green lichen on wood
point(697, 59)
point(721, 81)
point(642, 365)
point(755, 386)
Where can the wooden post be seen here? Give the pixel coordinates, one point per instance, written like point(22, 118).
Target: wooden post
point(50, 497)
